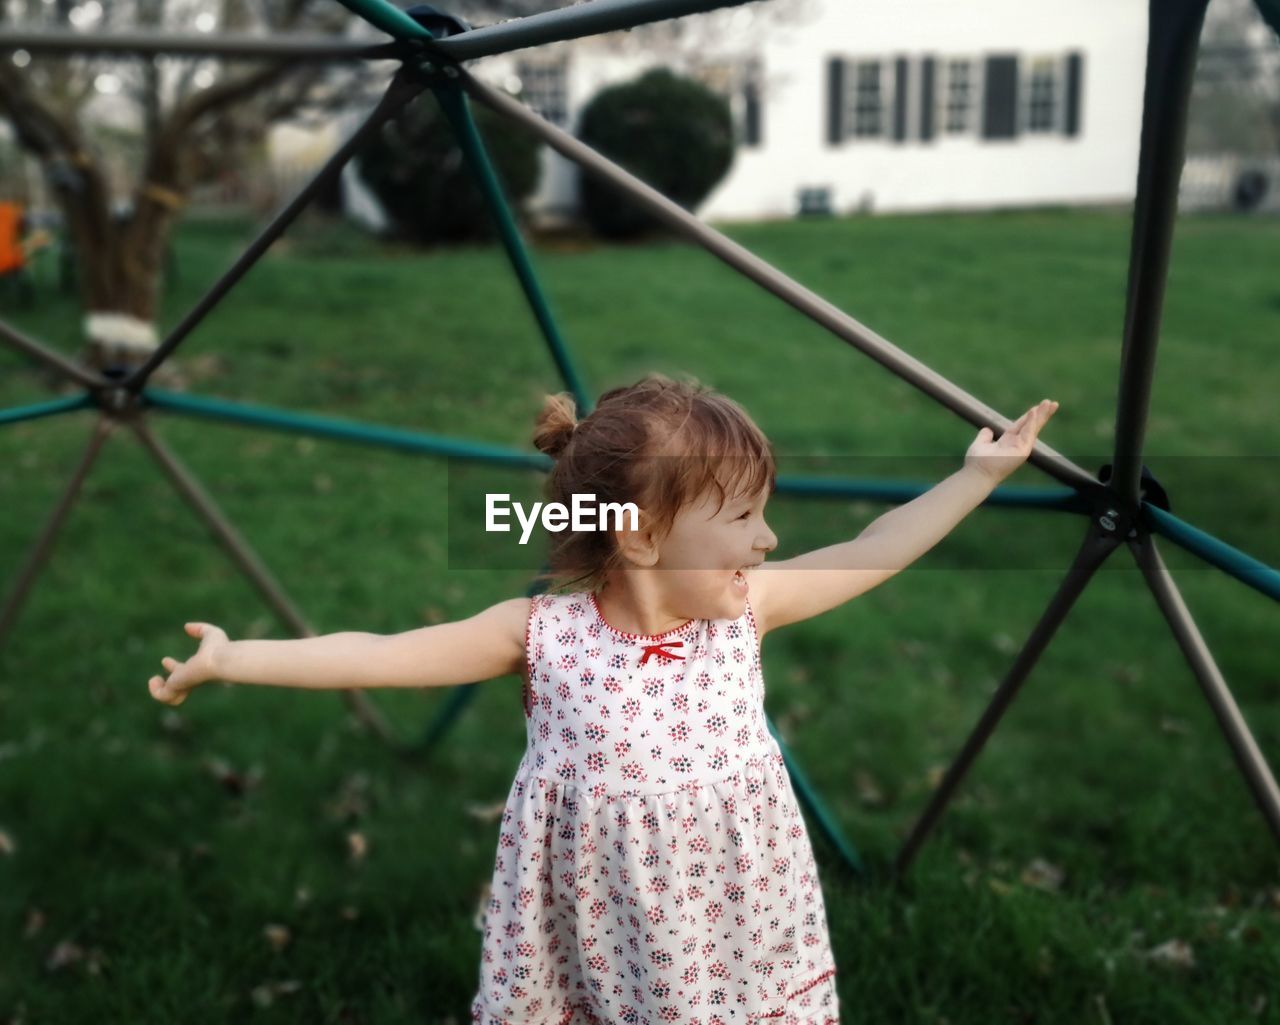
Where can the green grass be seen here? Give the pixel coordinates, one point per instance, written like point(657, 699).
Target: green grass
point(1109, 766)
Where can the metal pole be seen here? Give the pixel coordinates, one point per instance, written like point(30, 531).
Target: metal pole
point(40, 550)
point(772, 280)
point(573, 22)
point(401, 91)
point(1248, 756)
point(55, 360)
point(1245, 568)
point(344, 430)
point(454, 105)
point(170, 44)
point(42, 409)
point(1174, 28)
point(1093, 552)
point(250, 564)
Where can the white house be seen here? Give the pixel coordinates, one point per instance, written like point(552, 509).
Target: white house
point(886, 105)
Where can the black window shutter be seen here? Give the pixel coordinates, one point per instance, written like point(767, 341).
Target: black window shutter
point(751, 115)
point(900, 99)
point(1000, 103)
point(1075, 71)
point(927, 103)
point(835, 101)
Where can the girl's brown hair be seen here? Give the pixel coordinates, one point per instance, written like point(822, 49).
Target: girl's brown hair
point(659, 443)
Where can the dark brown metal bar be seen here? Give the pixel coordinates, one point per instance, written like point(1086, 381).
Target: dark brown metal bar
point(40, 550)
point(772, 280)
point(1248, 755)
point(172, 44)
point(51, 358)
point(1173, 32)
point(402, 90)
point(250, 564)
point(1092, 554)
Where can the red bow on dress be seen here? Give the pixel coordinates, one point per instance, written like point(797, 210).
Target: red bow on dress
point(657, 649)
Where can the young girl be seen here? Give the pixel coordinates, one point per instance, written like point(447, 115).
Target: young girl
point(653, 865)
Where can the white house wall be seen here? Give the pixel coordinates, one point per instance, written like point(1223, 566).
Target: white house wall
point(1097, 165)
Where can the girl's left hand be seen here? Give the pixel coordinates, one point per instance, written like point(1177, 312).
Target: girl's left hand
point(998, 459)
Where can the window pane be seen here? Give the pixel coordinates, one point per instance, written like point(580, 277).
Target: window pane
point(1042, 97)
point(868, 100)
point(959, 96)
point(543, 87)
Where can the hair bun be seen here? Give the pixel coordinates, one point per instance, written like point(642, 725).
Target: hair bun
point(555, 425)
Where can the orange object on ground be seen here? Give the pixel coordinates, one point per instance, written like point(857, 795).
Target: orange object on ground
point(12, 257)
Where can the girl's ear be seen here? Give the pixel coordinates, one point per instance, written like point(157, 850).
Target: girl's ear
point(640, 546)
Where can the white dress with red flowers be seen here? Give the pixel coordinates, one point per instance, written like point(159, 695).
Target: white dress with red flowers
point(653, 865)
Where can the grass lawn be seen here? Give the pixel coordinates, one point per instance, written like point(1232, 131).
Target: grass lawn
point(1104, 862)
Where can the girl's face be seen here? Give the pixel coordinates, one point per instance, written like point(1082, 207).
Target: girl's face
point(708, 551)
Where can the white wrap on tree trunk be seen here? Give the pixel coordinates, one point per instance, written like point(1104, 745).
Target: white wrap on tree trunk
point(121, 331)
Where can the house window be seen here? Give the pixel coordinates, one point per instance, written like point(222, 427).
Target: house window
point(1042, 90)
point(868, 100)
point(544, 87)
point(959, 96)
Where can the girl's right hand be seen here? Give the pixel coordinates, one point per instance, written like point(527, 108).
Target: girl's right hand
point(199, 668)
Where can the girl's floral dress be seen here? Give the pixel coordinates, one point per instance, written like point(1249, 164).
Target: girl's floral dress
point(653, 865)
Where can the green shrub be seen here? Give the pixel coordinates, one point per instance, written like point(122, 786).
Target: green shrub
point(670, 131)
point(418, 171)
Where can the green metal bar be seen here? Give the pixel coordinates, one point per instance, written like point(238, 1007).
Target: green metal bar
point(344, 430)
point(896, 492)
point(454, 104)
point(39, 409)
point(1244, 568)
point(807, 794)
point(571, 22)
point(390, 19)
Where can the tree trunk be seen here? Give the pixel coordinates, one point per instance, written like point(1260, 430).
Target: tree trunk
point(120, 257)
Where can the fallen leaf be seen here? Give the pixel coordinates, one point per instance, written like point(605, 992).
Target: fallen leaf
point(999, 886)
point(264, 995)
point(933, 778)
point(357, 846)
point(301, 897)
point(65, 953)
point(96, 960)
point(869, 792)
point(1003, 643)
point(1174, 953)
point(350, 913)
point(7, 846)
point(487, 812)
point(277, 935)
point(1042, 875)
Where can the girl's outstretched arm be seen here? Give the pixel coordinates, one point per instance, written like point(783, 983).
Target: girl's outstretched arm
point(794, 589)
point(489, 644)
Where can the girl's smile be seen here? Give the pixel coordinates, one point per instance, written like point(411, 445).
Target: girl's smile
point(706, 556)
